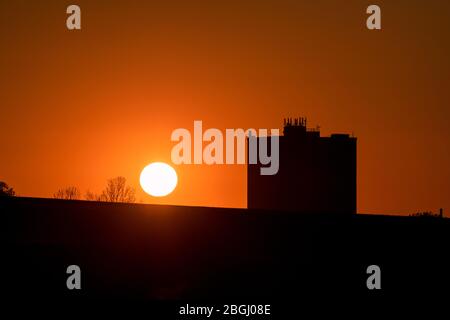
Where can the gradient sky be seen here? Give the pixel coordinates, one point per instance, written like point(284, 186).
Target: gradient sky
point(79, 107)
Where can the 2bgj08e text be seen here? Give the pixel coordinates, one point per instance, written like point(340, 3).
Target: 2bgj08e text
point(245, 310)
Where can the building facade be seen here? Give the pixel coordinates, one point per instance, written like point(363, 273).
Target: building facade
point(316, 174)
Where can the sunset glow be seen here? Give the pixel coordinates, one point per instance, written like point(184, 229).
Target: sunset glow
point(231, 66)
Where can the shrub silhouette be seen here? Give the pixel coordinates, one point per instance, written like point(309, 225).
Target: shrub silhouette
point(5, 190)
point(426, 214)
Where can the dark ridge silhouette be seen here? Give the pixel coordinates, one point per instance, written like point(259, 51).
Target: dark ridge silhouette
point(316, 174)
point(160, 252)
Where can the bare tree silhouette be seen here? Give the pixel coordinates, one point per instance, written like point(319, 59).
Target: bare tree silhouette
point(69, 193)
point(118, 191)
point(5, 190)
point(91, 196)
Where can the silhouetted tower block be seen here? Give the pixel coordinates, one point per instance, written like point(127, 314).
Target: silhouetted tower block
point(316, 174)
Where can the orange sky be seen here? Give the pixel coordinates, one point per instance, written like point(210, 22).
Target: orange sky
point(79, 107)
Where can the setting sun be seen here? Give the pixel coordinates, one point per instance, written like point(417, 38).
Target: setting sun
point(158, 179)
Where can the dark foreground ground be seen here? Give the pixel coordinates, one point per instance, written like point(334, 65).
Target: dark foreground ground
point(153, 253)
